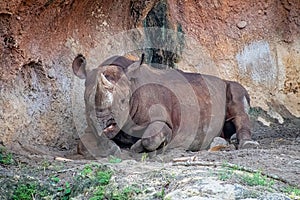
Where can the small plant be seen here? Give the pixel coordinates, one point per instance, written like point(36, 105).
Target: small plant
point(87, 170)
point(45, 164)
point(225, 174)
point(161, 194)
point(293, 192)
point(28, 191)
point(144, 157)
point(103, 177)
point(55, 179)
point(99, 193)
point(65, 191)
point(25, 191)
point(257, 179)
point(113, 159)
point(6, 158)
point(125, 194)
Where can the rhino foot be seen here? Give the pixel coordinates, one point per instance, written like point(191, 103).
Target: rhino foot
point(248, 144)
point(137, 147)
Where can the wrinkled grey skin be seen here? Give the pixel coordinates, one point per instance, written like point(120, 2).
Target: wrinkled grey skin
point(145, 109)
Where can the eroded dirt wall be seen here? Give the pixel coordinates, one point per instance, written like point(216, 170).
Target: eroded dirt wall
point(254, 42)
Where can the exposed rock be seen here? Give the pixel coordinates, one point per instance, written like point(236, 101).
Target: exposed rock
point(241, 24)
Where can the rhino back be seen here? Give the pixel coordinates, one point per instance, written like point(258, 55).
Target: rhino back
point(192, 105)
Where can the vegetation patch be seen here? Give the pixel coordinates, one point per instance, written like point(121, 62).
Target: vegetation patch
point(257, 179)
point(6, 158)
point(28, 191)
point(113, 159)
point(292, 192)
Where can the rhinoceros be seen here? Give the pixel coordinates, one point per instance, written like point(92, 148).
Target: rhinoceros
point(131, 105)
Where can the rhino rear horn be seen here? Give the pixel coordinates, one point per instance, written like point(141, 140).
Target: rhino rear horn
point(79, 66)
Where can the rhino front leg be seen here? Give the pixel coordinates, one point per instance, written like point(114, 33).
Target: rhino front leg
point(158, 133)
point(94, 147)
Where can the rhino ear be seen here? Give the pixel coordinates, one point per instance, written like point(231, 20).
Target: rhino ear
point(106, 83)
point(79, 66)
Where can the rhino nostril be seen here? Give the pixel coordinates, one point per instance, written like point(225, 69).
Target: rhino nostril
point(110, 122)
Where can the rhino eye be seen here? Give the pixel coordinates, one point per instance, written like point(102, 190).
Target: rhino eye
point(107, 76)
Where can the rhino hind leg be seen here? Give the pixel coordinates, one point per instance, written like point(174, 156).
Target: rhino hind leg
point(237, 111)
point(156, 135)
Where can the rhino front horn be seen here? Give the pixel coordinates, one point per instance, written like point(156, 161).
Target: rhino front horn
point(107, 85)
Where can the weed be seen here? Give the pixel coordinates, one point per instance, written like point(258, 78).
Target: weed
point(161, 194)
point(103, 192)
point(6, 158)
point(257, 179)
point(87, 170)
point(113, 159)
point(225, 174)
point(25, 191)
point(144, 157)
point(65, 192)
point(125, 194)
point(293, 192)
point(99, 193)
point(28, 191)
point(45, 164)
point(55, 179)
point(103, 177)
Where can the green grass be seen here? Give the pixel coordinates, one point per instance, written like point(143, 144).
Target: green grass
point(65, 192)
point(125, 193)
point(293, 192)
point(25, 191)
point(145, 157)
point(93, 181)
point(99, 193)
point(257, 179)
point(103, 177)
point(113, 159)
point(55, 179)
point(161, 194)
point(6, 158)
point(28, 191)
point(225, 174)
point(87, 170)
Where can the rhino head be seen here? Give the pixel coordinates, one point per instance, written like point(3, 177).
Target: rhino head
point(107, 93)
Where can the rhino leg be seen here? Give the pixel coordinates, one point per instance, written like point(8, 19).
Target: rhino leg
point(158, 133)
point(92, 147)
point(237, 110)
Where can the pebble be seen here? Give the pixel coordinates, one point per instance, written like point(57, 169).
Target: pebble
point(241, 24)
point(218, 141)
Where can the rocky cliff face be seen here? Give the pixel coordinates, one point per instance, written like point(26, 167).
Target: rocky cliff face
point(254, 42)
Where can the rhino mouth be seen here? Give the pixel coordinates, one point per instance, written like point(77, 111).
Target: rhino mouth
point(111, 129)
